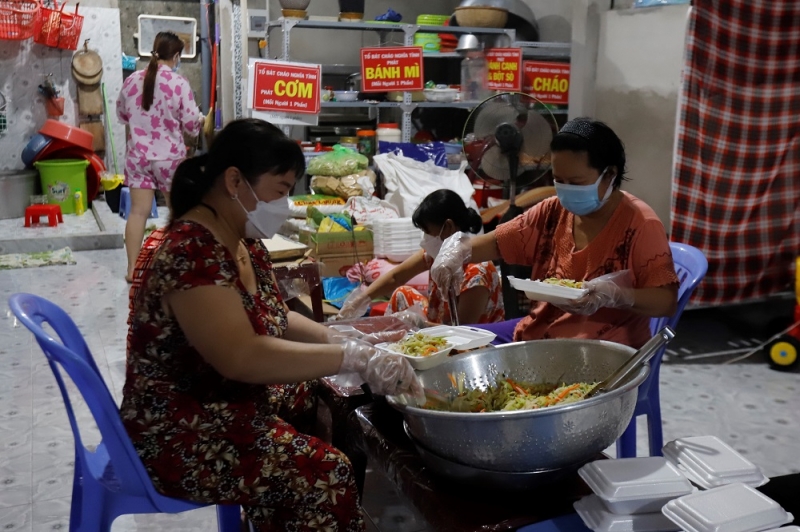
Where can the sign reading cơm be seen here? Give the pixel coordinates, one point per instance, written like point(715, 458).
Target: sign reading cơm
point(285, 87)
point(392, 69)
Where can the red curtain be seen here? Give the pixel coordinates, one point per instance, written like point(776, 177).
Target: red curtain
point(736, 182)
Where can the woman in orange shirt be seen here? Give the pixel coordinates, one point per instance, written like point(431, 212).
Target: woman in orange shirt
point(479, 294)
point(592, 232)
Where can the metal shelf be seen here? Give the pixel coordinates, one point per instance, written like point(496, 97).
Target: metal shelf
point(544, 50)
point(413, 105)
point(407, 28)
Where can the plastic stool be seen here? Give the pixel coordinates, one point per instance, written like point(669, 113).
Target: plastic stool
point(125, 204)
point(53, 213)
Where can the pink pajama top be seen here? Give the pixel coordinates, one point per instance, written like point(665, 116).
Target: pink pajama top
point(157, 134)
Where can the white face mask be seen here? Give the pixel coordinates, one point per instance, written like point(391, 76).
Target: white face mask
point(432, 244)
point(268, 216)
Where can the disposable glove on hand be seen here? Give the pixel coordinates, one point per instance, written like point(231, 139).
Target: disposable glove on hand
point(355, 305)
point(448, 267)
point(386, 373)
point(339, 334)
point(613, 290)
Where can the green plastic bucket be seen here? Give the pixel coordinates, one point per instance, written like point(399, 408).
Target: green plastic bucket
point(61, 179)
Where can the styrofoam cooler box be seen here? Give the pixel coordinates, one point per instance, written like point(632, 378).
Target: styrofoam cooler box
point(635, 485)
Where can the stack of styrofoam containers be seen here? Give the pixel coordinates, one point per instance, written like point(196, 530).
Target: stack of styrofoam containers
point(644, 494)
point(395, 239)
point(709, 462)
point(629, 494)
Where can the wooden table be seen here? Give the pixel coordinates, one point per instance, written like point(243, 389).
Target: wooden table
point(302, 278)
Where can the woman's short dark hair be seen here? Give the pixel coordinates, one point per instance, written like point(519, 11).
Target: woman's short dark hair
point(599, 141)
point(443, 205)
point(253, 146)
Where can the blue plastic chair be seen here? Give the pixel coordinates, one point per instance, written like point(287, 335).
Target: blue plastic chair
point(111, 481)
point(691, 266)
point(125, 204)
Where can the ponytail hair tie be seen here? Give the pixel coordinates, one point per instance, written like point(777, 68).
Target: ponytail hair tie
point(154, 53)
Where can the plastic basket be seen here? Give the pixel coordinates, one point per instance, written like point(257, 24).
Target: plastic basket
point(19, 19)
point(59, 29)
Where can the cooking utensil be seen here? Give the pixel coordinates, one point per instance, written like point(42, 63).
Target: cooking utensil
point(528, 440)
point(453, 307)
point(642, 356)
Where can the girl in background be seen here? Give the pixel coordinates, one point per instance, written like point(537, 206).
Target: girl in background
point(158, 108)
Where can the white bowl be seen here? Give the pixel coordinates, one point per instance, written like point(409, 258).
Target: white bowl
point(346, 96)
point(441, 95)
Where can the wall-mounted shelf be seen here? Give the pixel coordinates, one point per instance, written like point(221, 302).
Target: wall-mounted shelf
point(288, 24)
point(413, 105)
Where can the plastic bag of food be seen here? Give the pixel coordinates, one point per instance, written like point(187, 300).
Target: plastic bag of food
point(346, 187)
point(365, 210)
point(338, 163)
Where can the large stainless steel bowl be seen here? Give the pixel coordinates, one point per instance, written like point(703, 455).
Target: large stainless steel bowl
point(548, 438)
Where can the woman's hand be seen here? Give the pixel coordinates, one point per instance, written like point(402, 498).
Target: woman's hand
point(339, 334)
point(355, 305)
point(448, 267)
point(386, 373)
point(613, 290)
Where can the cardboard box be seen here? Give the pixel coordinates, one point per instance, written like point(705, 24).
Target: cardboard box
point(339, 244)
point(336, 265)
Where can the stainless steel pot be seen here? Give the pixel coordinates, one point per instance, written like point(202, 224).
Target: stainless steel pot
point(530, 440)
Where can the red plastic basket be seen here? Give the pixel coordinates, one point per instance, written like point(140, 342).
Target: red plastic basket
point(59, 29)
point(19, 19)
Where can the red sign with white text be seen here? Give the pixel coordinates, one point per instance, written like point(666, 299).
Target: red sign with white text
point(548, 82)
point(287, 88)
point(505, 69)
point(392, 69)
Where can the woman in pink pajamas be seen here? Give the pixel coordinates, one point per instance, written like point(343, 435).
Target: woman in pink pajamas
point(158, 107)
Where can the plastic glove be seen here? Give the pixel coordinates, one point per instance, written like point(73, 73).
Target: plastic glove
point(339, 334)
point(355, 305)
point(386, 373)
point(413, 316)
point(448, 267)
point(613, 290)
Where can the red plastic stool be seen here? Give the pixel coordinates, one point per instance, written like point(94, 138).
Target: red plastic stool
point(53, 213)
point(378, 309)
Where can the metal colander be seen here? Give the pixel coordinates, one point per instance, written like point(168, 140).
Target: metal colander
point(548, 438)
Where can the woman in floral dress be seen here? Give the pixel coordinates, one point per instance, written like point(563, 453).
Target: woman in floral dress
point(221, 376)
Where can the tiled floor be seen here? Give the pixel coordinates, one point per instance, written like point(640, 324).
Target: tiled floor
point(750, 406)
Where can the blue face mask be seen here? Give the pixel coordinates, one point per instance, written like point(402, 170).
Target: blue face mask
point(177, 65)
point(582, 199)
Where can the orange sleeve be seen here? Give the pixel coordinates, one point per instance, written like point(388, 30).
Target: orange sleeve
point(518, 239)
point(651, 258)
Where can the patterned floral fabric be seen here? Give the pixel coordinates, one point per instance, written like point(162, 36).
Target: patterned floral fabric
point(437, 308)
point(157, 134)
point(209, 439)
point(633, 239)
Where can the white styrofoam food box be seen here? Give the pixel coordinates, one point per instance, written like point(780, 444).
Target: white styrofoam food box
point(710, 462)
point(730, 508)
point(635, 485)
point(597, 517)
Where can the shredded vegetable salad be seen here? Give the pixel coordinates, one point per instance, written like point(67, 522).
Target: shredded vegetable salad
point(509, 395)
point(420, 345)
point(568, 283)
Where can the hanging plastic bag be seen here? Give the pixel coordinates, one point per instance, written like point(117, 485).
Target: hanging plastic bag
point(408, 182)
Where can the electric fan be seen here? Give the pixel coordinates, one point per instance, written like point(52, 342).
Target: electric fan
point(507, 142)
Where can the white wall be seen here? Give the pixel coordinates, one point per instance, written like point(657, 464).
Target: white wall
point(639, 64)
